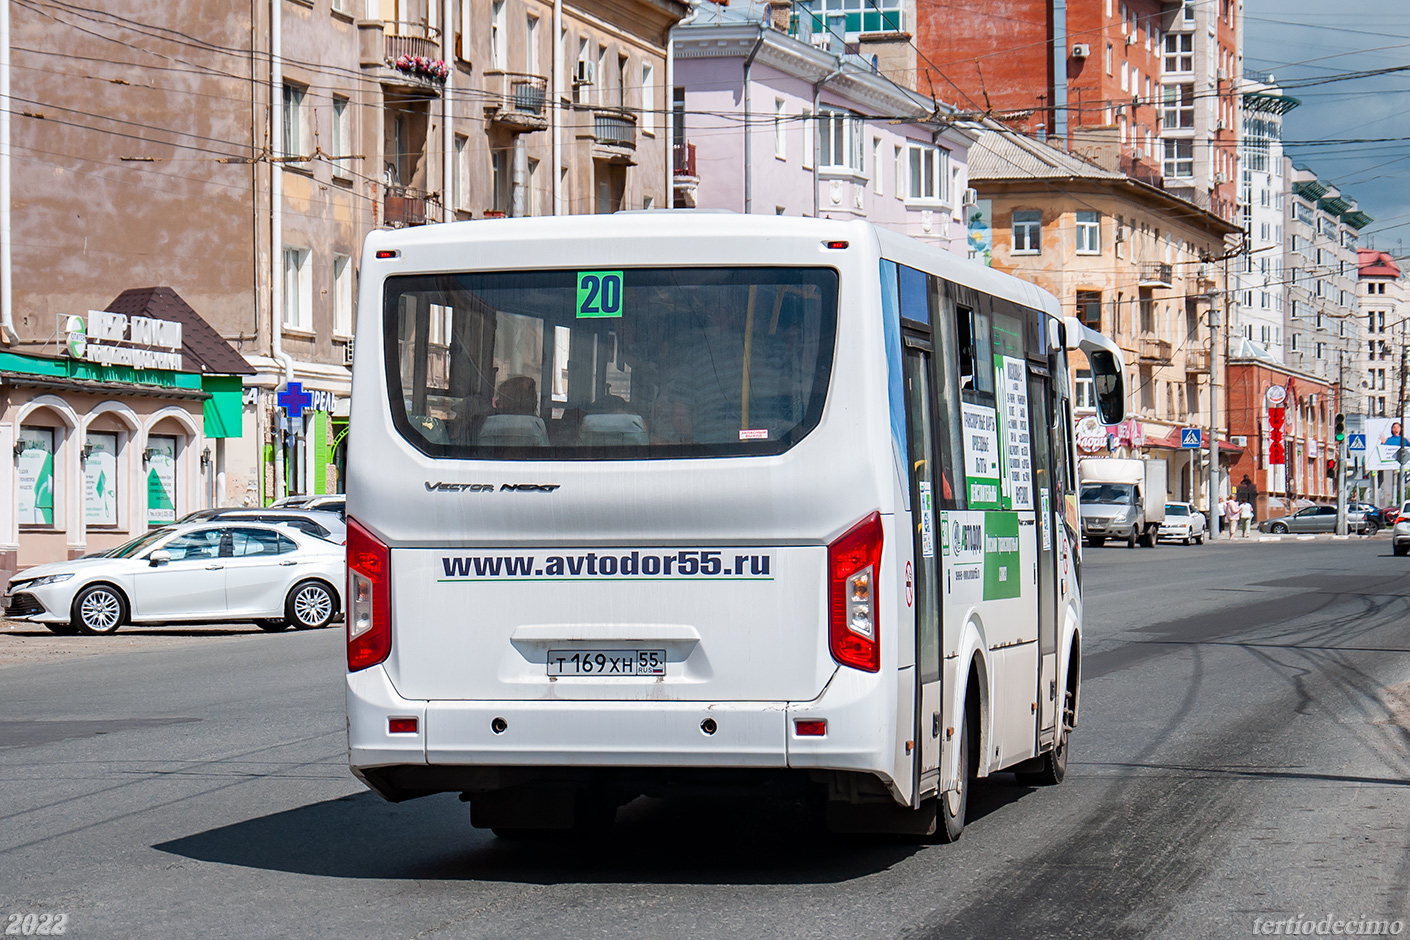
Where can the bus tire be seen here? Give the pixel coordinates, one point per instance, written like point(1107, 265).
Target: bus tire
point(951, 808)
point(1049, 769)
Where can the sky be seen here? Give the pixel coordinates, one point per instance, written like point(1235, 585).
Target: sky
point(1301, 41)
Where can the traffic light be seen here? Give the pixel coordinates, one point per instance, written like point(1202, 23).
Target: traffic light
point(1340, 432)
point(1331, 469)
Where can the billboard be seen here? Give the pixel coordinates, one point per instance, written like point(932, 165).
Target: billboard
point(1384, 440)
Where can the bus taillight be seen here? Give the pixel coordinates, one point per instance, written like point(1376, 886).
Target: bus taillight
point(369, 613)
point(853, 566)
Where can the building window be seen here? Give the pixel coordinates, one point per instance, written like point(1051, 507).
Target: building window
point(878, 174)
point(497, 34)
point(780, 128)
point(1180, 158)
point(806, 120)
point(1089, 233)
point(34, 473)
point(848, 19)
point(531, 44)
point(531, 189)
point(342, 138)
point(295, 127)
point(1179, 52)
point(100, 479)
point(1109, 61)
point(841, 139)
point(298, 289)
point(500, 179)
point(1085, 395)
point(1179, 106)
point(462, 173)
point(1089, 308)
point(1027, 232)
point(580, 94)
point(929, 171)
point(161, 480)
point(342, 295)
point(648, 99)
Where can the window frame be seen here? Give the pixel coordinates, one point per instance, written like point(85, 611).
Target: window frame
point(1089, 232)
point(1032, 226)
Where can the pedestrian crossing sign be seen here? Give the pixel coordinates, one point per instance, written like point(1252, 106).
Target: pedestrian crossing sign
point(1190, 438)
point(1356, 443)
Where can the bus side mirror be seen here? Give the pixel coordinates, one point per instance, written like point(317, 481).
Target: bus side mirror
point(1107, 382)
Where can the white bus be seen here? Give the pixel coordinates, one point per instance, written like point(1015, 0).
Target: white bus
point(676, 500)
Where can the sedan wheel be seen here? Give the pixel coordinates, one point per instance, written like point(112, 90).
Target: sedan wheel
point(311, 605)
point(1278, 528)
point(98, 610)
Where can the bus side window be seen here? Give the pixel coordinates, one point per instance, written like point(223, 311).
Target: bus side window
point(976, 357)
point(950, 421)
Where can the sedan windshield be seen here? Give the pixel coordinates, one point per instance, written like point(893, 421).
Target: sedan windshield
point(1113, 494)
point(1175, 509)
point(130, 549)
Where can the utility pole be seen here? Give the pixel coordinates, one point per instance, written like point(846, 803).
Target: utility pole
point(1213, 468)
point(1400, 467)
point(1339, 441)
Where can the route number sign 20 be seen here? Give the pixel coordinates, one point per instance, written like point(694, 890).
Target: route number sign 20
point(599, 294)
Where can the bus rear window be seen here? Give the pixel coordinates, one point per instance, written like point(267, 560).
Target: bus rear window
point(619, 364)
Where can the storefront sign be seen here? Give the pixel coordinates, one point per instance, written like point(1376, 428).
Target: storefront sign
point(116, 339)
point(1091, 435)
point(35, 473)
point(322, 401)
point(161, 480)
point(100, 480)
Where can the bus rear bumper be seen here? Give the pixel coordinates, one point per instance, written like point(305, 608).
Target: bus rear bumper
point(615, 734)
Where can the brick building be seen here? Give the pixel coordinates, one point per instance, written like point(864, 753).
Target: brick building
point(1309, 411)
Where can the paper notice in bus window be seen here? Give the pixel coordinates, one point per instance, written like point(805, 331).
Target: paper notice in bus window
point(1017, 453)
point(1045, 519)
point(981, 456)
point(754, 434)
point(927, 526)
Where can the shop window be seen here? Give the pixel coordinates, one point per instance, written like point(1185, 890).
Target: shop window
point(100, 479)
point(34, 470)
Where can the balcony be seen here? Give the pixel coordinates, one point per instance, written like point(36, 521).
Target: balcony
point(520, 100)
point(1196, 360)
point(403, 54)
point(403, 207)
point(1156, 275)
point(687, 180)
point(1154, 350)
point(614, 135)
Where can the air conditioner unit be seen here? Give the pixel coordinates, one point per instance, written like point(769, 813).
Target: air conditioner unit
point(1081, 50)
point(970, 198)
point(1221, 125)
point(1222, 75)
point(348, 353)
point(1220, 178)
point(586, 74)
point(1131, 39)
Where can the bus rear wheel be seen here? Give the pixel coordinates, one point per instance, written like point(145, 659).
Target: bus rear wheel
point(951, 807)
point(1049, 769)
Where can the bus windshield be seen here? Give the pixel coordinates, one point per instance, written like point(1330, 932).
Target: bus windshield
point(639, 363)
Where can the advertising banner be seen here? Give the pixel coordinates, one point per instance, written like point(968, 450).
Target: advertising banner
point(1018, 467)
point(161, 480)
point(981, 455)
point(100, 480)
point(35, 474)
point(1384, 441)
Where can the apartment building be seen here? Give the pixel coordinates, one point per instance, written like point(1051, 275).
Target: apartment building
point(238, 157)
point(1322, 326)
point(770, 123)
point(1260, 287)
point(1130, 260)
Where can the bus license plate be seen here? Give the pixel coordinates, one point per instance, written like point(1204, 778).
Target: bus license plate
point(606, 662)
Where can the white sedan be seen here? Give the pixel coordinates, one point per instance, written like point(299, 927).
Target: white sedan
point(1183, 523)
point(206, 571)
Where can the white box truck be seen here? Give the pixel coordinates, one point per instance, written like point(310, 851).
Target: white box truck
point(1122, 499)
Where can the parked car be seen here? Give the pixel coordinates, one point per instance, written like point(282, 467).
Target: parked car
point(325, 525)
point(1183, 523)
point(1318, 519)
point(202, 571)
point(329, 502)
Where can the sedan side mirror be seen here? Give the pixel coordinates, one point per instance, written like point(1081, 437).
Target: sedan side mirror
point(159, 557)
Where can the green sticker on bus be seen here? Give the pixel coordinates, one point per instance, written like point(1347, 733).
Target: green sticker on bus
point(599, 294)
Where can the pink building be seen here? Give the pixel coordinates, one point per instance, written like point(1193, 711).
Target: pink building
point(773, 123)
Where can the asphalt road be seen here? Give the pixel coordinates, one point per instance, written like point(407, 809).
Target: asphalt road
point(1242, 754)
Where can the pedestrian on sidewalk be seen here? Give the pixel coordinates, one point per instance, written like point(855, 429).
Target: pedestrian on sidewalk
point(1245, 517)
point(1230, 508)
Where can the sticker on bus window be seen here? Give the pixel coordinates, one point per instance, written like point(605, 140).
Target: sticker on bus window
point(599, 294)
point(754, 434)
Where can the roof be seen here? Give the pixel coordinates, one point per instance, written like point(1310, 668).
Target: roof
point(1006, 155)
point(1373, 263)
point(201, 345)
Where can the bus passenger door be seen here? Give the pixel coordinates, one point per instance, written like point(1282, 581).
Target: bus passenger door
point(1039, 408)
point(925, 593)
